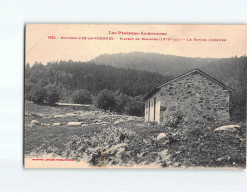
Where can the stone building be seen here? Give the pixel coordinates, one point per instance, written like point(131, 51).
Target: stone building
point(195, 95)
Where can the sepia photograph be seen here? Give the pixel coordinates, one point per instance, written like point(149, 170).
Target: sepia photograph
point(135, 96)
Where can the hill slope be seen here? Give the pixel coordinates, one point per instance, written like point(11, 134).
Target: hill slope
point(153, 62)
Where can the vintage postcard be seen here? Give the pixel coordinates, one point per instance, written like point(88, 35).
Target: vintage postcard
point(135, 96)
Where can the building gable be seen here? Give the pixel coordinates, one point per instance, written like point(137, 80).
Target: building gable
point(194, 71)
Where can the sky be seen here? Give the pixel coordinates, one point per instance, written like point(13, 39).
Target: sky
point(179, 40)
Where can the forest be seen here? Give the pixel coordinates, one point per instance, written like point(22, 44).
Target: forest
point(84, 82)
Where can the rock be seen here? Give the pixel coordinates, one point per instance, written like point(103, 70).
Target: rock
point(56, 124)
point(129, 118)
point(74, 124)
point(227, 128)
point(58, 116)
point(161, 136)
point(176, 164)
point(170, 128)
point(118, 121)
point(35, 122)
point(28, 114)
point(70, 114)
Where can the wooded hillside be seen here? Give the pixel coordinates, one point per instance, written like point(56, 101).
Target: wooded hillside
point(69, 76)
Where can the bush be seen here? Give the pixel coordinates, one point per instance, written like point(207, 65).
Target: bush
point(238, 106)
point(37, 94)
point(82, 96)
point(105, 100)
point(135, 107)
point(174, 119)
point(52, 95)
point(28, 87)
point(121, 103)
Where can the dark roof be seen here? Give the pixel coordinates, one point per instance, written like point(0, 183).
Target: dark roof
point(157, 88)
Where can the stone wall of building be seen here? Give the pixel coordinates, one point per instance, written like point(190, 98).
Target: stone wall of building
point(195, 96)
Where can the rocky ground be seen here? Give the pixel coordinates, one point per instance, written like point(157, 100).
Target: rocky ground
point(110, 139)
point(55, 125)
point(55, 116)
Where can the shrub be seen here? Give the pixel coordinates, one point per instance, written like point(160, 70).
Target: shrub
point(38, 94)
point(52, 95)
point(135, 107)
point(174, 119)
point(121, 103)
point(28, 87)
point(28, 96)
point(82, 96)
point(105, 100)
point(238, 105)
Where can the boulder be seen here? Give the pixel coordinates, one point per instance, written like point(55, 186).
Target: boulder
point(74, 124)
point(35, 122)
point(176, 164)
point(118, 121)
point(70, 114)
point(161, 136)
point(227, 128)
point(56, 124)
point(58, 116)
point(28, 114)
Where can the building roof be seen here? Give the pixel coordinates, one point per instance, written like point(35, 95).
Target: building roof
point(157, 88)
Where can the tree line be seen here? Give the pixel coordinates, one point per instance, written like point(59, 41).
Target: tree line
point(109, 88)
